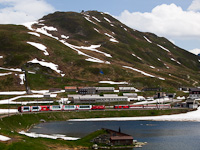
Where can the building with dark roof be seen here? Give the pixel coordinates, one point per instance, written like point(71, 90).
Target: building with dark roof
point(86, 90)
point(70, 89)
point(152, 89)
point(114, 138)
point(118, 138)
point(194, 90)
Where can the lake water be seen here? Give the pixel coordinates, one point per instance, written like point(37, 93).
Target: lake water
point(159, 135)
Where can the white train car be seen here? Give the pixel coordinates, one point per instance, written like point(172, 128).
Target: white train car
point(136, 106)
point(35, 108)
point(55, 108)
point(69, 107)
point(83, 107)
point(24, 109)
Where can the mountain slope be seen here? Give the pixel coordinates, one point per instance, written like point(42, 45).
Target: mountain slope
point(68, 48)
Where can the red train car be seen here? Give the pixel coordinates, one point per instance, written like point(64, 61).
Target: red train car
point(98, 107)
point(121, 106)
point(44, 108)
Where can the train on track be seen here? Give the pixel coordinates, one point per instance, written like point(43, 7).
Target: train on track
point(44, 108)
point(146, 106)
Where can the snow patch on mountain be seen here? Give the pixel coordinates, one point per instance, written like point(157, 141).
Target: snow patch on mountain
point(166, 66)
point(96, 30)
point(152, 67)
point(87, 18)
point(4, 138)
point(97, 60)
point(147, 39)
point(96, 19)
point(161, 78)
point(64, 37)
point(107, 19)
point(5, 74)
point(92, 48)
point(163, 48)
point(112, 38)
point(175, 61)
point(13, 93)
point(142, 72)
point(43, 30)
point(11, 69)
point(34, 33)
point(29, 25)
point(92, 59)
point(137, 57)
point(109, 35)
point(47, 64)
point(112, 82)
point(40, 47)
point(49, 28)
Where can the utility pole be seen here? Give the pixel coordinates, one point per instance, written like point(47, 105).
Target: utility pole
point(28, 90)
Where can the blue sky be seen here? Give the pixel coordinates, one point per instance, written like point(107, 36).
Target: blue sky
point(177, 20)
point(114, 7)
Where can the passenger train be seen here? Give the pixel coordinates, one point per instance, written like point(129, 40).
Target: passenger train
point(59, 108)
point(43, 108)
point(146, 106)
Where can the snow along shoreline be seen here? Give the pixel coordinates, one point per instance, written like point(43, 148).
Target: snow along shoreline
point(193, 116)
point(53, 136)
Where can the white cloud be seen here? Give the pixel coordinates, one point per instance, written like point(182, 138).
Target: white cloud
point(195, 51)
point(169, 21)
point(20, 11)
point(195, 6)
point(172, 41)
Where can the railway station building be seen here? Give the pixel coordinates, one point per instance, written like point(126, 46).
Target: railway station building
point(95, 98)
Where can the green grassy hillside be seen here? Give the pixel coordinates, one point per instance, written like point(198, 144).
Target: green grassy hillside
point(156, 56)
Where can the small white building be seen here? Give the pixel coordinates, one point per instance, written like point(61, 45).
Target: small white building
point(127, 89)
point(130, 95)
